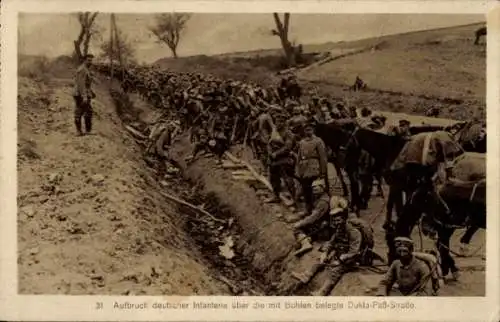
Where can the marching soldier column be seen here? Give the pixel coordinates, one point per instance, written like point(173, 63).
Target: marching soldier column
point(280, 130)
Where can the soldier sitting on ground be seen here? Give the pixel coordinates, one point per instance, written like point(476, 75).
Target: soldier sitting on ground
point(358, 84)
point(350, 244)
point(316, 220)
point(412, 275)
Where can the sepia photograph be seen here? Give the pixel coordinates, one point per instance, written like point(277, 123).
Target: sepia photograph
point(252, 154)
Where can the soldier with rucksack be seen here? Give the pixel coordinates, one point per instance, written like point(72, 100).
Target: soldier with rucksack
point(414, 273)
point(350, 244)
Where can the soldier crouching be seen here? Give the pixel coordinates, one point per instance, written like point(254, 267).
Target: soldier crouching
point(160, 138)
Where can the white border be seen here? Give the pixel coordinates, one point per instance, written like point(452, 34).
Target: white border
point(15, 307)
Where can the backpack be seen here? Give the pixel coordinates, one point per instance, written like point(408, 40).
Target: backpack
point(367, 237)
point(432, 262)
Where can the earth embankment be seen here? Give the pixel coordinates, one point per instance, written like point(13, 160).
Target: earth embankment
point(91, 219)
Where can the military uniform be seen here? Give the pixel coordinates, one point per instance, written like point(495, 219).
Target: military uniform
point(311, 165)
point(281, 163)
point(412, 274)
point(161, 137)
point(409, 278)
point(315, 222)
point(297, 124)
point(82, 94)
point(346, 243)
point(263, 126)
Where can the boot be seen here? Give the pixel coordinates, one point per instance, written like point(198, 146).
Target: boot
point(274, 199)
point(455, 275)
point(78, 125)
point(304, 277)
point(325, 289)
point(304, 247)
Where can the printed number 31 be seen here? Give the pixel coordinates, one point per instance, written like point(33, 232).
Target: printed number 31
point(99, 306)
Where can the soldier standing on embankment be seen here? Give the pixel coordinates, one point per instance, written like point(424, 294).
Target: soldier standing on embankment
point(83, 96)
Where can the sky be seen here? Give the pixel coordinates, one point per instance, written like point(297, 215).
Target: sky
point(53, 34)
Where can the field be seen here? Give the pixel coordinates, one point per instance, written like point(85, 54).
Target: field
point(91, 216)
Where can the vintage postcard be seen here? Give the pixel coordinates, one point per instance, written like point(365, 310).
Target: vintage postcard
point(249, 161)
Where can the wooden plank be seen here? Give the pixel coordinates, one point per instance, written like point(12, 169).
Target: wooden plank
point(191, 206)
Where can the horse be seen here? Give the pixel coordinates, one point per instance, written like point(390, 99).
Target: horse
point(444, 215)
point(385, 149)
point(339, 137)
point(470, 135)
point(479, 33)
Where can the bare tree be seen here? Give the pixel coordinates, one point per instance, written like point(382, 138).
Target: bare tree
point(121, 51)
point(87, 30)
point(282, 32)
point(169, 28)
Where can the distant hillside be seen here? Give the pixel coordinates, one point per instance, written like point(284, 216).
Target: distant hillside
point(414, 72)
point(317, 48)
point(441, 63)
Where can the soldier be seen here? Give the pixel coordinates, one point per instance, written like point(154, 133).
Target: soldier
point(363, 120)
point(281, 159)
point(348, 245)
point(311, 164)
point(412, 275)
point(347, 242)
point(294, 90)
point(305, 225)
point(297, 122)
point(161, 138)
point(83, 94)
point(358, 84)
point(263, 127)
point(378, 122)
point(403, 130)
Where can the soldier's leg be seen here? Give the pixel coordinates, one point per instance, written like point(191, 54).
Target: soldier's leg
point(88, 114)
point(443, 245)
point(306, 276)
point(334, 276)
point(471, 230)
point(78, 114)
point(288, 174)
point(366, 189)
point(275, 180)
point(306, 184)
